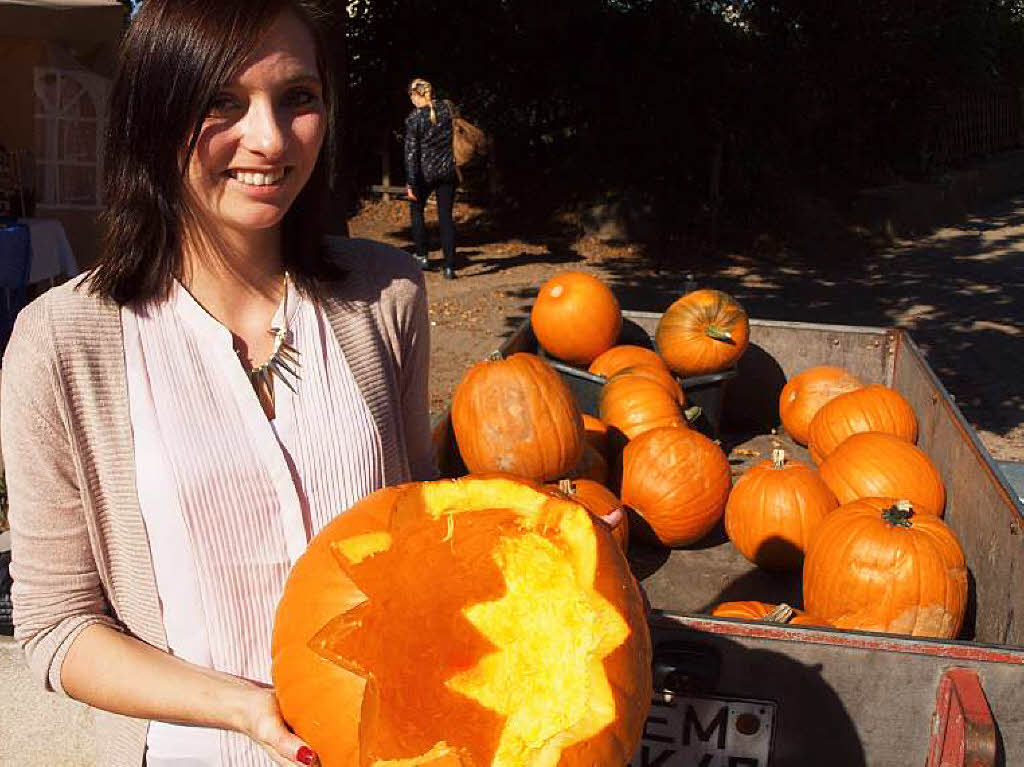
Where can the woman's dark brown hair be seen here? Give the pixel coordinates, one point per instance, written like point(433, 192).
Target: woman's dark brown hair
point(177, 55)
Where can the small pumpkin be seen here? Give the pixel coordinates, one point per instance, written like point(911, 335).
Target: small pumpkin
point(623, 356)
point(871, 408)
point(805, 394)
point(596, 433)
point(599, 501)
point(484, 620)
point(878, 565)
point(658, 373)
point(705, 331)
point(767, 613)
point(774, 509)
point(632, 404)
point(517, 415)
point(874, 464)
point(576, 317)
point(678, 480)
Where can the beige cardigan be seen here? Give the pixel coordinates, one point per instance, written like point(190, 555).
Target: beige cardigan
point(80, 554)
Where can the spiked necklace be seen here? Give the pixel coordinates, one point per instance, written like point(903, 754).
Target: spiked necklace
point(284, 359)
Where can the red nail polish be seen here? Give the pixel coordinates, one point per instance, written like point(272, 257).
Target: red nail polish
point(305, 755)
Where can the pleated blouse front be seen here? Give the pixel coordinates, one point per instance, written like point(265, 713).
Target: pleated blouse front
point(230, 499)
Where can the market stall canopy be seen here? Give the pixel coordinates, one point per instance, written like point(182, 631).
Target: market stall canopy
point(70, 20)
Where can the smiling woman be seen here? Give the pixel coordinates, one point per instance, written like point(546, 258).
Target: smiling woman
point(180, 421)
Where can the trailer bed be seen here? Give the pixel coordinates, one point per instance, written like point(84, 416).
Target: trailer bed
point(831, 697)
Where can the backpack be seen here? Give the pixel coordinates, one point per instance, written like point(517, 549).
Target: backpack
point(469, 143)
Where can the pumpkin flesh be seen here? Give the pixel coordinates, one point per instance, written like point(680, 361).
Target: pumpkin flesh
point(515, 635)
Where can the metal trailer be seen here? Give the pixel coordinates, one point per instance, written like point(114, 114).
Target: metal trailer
point(732, 693)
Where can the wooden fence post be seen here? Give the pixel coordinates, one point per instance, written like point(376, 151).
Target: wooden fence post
point(385, 164)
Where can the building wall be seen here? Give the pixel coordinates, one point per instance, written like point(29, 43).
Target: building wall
point(18, 58)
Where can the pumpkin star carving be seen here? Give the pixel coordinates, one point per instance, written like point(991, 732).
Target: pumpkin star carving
point(482, 637)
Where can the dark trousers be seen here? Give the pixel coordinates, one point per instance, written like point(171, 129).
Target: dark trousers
point(445, 192)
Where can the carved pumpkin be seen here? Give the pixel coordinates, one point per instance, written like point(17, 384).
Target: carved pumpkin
point(623, 356)
point(633, 404)
point(678, 481)
point(576, 317)
point(774, 509)
point(596, 433)
point(517, 415)
point(805, 394)
point(767, 613)
point(480, 621)
point(872, 408)
point(599, 501)
point(705, 331)
point(880, 465)
point(877, 565)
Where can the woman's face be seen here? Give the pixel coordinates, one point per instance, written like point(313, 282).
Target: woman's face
point(260, 141)
point(417, 100)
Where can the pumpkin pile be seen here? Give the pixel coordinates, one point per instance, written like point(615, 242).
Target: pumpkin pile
point(639, 451)
point(514, 636)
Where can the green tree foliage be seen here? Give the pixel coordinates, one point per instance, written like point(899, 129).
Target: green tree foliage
point(589, 97)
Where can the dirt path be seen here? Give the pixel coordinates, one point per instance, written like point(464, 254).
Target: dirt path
point(960, 292)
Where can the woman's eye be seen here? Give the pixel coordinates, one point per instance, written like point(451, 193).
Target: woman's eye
point(302, 98)
point(222, 104)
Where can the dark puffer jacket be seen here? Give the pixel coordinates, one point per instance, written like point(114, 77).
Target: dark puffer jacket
point(428, 147)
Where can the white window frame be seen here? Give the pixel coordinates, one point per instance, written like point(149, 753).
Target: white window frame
point(54, 115)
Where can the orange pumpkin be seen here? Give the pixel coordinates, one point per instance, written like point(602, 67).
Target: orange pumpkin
point(596, 433)
point(623, 356)
point(877, 565)
point(871, 408)
point(766, 613)
point(517, 415)
point(678, 481)
point(599, 501)
point(658, 373)
point(774, 509)
point(632, 404)
point(705, 331)
point(804, 395)
point(484, 621)
point(874, 464)
point(576, 317)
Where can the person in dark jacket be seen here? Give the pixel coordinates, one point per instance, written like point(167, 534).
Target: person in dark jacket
point(430, 167)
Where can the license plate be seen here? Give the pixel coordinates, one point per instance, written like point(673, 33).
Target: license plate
point(706, 732)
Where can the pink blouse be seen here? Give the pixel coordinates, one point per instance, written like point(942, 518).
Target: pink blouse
point(229, 498)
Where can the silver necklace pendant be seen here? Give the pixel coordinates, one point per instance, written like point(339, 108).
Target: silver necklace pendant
point(284, 363)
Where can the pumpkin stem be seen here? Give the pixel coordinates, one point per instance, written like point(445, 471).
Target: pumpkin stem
point(778, 459)
point(494, 356)
point(899, 514)
point(691, 414)
point(782, 613)
point(719, 334)
point(567, 486)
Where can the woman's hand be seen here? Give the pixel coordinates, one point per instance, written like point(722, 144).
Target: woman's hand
point(410, 194)
point(264, 724)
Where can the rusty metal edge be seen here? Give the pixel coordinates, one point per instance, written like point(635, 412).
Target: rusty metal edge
point(981, 454)
point(941, 648)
